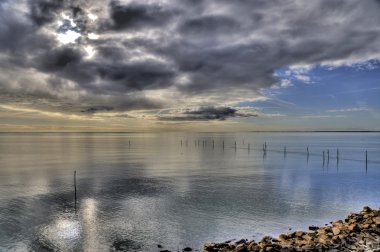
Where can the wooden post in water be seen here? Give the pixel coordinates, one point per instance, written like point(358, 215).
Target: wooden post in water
point(249, 146)
point(235, 146)
point(323, 158)
point(75, 190)
point(223, 144)
point(337, 153)
point(307, 150)
point(366, 161)
point(328, 157)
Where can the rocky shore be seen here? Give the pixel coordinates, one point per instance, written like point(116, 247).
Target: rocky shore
point(358, 232)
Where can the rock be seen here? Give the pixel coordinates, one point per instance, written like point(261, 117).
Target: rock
point(283, 237)
point(335, 230)
point(275, 240)
point(159, 246)
point(240, 241)
point(354, 228)
point(209, 246)
point(241, 248)
point(358, 232)
point(321, 231)
point(323, 238)
point(224, 250)
point(338, 224)
point(367, 209)
point(165, 250)
point(312, 228)
point(253, 247)
point(365, 226)
point(187, 249)
point(266, 240)
point(342, 236)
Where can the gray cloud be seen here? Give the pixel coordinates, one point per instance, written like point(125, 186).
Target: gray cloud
point(137, 15)
point(208, 26)
point(207, 114)
point(93, 110)
point(209, 48)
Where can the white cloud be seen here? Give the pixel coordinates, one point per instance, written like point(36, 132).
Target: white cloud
point(285, 83)
point(347, 110)
point(322, 116)
point(303, 78)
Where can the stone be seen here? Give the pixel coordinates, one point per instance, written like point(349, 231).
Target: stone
point(365, 226)
point(275, 240)
point(266, 239)
point(253, 247)
point(359, 232)
point(209, 246)
point(283, 237)
point(299, 233)
point(354, 228)
point(187, 249)
point(335, 230)
point(240, 241)
point(313, 228)
point(224, 250)
point(323, 239)
point(366, 209)
point(241, 248)
point(342, 236)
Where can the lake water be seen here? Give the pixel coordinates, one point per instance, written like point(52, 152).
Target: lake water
point(135, 191)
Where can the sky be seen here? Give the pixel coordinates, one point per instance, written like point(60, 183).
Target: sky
point(189, 65)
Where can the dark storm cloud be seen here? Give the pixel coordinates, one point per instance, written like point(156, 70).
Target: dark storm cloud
point(208, 25)
point(207, 114)
point(60, 58)
point(44, 11)
point(209, 48)
point(138, 76)
point(137, 15)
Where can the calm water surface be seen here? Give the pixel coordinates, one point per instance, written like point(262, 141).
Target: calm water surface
point(139, 190)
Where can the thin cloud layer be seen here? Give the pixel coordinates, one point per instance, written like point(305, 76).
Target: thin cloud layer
point(94, 56)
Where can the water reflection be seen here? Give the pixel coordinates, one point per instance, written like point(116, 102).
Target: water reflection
point(139, 190)
point(61, 233)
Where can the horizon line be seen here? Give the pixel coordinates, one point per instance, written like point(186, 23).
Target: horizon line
point(254, 131)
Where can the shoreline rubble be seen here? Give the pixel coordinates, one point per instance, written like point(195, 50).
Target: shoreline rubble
point(357, 232)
